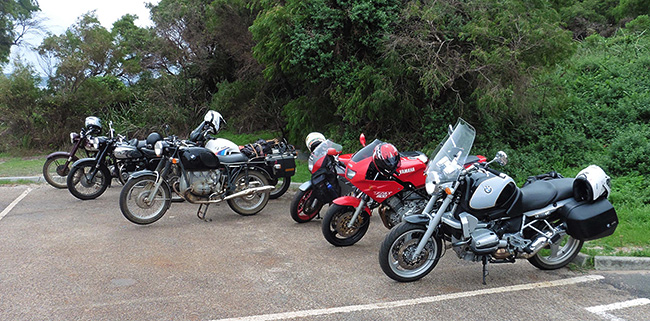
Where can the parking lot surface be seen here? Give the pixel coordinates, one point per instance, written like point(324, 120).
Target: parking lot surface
point(66, 259)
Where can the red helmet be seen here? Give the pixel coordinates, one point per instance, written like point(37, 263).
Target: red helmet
point(386, 158)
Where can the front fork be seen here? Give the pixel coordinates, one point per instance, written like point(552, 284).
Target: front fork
point(435, 220)
point(357, 211)
point(160, 174)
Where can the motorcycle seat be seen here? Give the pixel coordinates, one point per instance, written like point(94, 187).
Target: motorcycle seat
point(541, 193)
point(148, 153)
point(233, 158)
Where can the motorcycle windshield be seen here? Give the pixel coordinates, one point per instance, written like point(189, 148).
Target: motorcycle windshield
point(447, 160)
point(366, 151)
point(321, 151)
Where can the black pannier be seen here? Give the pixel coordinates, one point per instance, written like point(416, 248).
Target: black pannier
point(589, 221)
point(325, 185)
point(283, 165)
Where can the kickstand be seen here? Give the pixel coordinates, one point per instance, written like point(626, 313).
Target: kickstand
point(201, 215)
point(485, 270)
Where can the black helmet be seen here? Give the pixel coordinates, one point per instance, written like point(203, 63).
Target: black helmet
point(386, 158)
point(153, 138)
point(93, 124)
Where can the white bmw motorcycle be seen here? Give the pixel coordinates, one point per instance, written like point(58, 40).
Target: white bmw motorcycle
point(483, 216)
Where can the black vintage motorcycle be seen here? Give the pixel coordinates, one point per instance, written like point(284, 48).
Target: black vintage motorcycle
point(115, 158)
point(203, 178)
point(57, 164)
point(485, 217)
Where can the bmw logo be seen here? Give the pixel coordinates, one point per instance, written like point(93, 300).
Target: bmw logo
point(487, 189)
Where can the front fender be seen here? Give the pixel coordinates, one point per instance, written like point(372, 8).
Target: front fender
point(305, 186)
point(64, 154)
point(419, 219)
point(145, 172)
point(92, 161)
point(350, 201)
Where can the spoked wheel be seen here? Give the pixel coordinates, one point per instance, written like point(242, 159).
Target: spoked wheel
point(304, 206)
point(335, 225)
point(558, 254)
point(253, 203)
point(83, 185)
point(55, 171)
point(396, 253)
point(280, 188)
point(138, 203)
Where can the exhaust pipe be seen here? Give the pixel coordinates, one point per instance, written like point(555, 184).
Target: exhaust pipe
point(190, 198)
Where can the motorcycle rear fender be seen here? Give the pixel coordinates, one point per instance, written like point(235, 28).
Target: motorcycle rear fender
point(419, 219)
point(350, 201)
point(305, 186)
point(65, 154)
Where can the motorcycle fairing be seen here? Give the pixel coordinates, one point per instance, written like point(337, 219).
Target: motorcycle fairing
point(351, 201)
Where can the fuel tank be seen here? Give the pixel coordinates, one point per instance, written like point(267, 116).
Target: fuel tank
point(490, 196)
point(198, 158)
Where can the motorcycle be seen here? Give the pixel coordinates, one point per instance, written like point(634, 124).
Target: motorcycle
point(115, 158)
point(203, 178)
point(397, 192)
point(327, 182)
point(57, 164)
point(484, 216)
point(276, 159)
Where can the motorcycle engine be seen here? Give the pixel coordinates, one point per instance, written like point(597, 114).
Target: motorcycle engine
point(396, 208)
point(201, 183)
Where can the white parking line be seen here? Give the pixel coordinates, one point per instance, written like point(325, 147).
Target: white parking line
point(601, 310)
point(15, 202)
point(402, 303)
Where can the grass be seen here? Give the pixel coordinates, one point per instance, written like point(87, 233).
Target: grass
point(21, 166)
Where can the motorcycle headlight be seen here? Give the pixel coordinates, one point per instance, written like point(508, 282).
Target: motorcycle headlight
point(73, 137)
point(432, 182)
point(310, 166)
point(350, 174)
point(158, 148)
point(95, 143)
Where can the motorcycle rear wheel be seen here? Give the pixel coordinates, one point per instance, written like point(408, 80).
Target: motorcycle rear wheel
point(82, 186)
point(250, 204)
point(557, 255)
point(56, 172)
point(301, 208)
point(136, 205)
point(395, 253)
point(335, 225)
point(280, 188)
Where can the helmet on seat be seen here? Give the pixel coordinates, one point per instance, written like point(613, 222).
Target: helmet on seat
point(313, 140)
point(591, 183)
point(153, 138)
point(386, 158)
point(93, 124)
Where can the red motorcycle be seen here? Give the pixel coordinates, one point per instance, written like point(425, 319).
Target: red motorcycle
point(327, 166)
point(385, 179)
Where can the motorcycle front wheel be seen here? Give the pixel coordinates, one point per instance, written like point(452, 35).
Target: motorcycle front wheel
point(558, 254)
point(335, 225)
point(56, 172)
point(280, 188)
point(396, 253)
point(139, 205)
point(83, 185)
point(253, 203)
point(304, 206)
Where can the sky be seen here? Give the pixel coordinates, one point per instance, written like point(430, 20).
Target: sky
point(58, 15)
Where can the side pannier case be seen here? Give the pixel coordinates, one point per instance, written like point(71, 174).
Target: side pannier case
point(589, 220)
point(284, 165)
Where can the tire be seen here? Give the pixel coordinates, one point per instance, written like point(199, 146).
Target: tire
point(335, 225)
point(557, 255)
point(85, 189)
point(402, 240)
point(56, 172)
point(280, 188)
point(251, 204)
point(301, 207)
point(133, 202)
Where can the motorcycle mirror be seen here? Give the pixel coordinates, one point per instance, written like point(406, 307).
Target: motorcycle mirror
point(332, 152)
point(501, 158)
point(362, 139)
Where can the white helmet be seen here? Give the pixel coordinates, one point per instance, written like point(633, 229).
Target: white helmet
point(215, 118)
point(93, 123)
point(313, 140)
point(590, 184)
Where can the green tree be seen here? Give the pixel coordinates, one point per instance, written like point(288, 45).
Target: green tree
point(16, 19)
